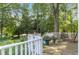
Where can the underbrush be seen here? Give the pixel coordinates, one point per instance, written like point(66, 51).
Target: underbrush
point(5, 40)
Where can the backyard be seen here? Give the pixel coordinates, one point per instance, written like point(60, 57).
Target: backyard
point(64, 48)
point(53, 28)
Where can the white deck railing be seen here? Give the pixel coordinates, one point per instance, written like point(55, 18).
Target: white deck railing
point(30, 47)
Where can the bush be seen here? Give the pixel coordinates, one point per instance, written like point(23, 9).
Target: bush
point(46, 38)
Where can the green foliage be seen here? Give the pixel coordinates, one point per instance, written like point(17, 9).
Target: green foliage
point(16, 19)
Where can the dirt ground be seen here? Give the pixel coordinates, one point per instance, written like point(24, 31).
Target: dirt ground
point(63, 48)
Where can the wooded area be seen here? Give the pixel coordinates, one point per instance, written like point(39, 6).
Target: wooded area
point(17, 19)
point(25, 18)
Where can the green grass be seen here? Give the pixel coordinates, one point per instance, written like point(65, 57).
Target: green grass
point(5, 41)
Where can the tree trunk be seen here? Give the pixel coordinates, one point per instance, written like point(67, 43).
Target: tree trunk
point(75, 37)
point(56, 19)
point(56, 16)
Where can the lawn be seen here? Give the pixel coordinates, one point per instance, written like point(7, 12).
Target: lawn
point(5, 41)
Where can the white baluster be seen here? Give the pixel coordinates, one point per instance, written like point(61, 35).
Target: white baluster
point(34, 50)
point(21, 51)
point(2, 51)
point(32, 47)
point(16, 50)
point(10, 51)
point(29, 48)
point(36, 47)
point(41, 46)
point(25, 48)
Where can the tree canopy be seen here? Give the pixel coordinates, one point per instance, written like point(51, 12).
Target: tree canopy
point(25, 18)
